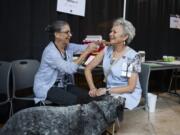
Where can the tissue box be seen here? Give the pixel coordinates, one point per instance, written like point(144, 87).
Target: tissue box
point(94, 38)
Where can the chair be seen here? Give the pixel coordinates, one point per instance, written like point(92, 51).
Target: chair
point(174, 77)
point(144, 81)
point(23, 72)
point(5, 69)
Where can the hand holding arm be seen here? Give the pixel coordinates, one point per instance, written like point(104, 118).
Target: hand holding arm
point(92, 92)
point(125, 89)
point(101, 91)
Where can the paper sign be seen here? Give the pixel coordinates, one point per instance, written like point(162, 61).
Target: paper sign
point(175, 21)
point(75, 7)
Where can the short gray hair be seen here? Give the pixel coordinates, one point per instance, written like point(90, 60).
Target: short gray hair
point(128, 28)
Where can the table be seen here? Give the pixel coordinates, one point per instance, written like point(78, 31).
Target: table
point(159, 65)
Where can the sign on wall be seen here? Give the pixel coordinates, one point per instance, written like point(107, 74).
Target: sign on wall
point(75, 7)
point(175, 21)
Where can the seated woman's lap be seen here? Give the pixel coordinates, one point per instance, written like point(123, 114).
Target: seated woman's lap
point(71, 96)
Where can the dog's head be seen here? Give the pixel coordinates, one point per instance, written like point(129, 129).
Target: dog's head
point(111, 107)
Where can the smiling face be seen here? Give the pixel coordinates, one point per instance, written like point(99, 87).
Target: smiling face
point(117, 35)
point(64, 35)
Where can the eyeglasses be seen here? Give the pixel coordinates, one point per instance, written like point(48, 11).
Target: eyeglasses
point(66, 32)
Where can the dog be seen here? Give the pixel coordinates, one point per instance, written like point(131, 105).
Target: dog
point(87, 119)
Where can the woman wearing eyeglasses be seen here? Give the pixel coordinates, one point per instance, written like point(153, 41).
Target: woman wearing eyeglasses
point(121, 65)
point(54, 79)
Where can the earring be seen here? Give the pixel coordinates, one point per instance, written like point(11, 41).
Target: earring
point(124, 42)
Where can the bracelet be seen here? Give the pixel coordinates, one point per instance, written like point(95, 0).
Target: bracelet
point(107, 91)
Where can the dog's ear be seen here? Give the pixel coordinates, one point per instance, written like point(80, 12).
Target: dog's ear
point(120, 108)
point(120, 112)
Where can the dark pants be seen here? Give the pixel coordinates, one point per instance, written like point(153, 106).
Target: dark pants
point(71, 96)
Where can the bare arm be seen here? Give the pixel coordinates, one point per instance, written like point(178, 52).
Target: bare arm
point(88, 72)
point(125, 89)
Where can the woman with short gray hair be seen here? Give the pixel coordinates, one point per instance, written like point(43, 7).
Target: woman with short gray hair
point(121, 65)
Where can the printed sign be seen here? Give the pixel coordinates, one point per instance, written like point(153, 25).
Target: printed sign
point(175, 21)
point(75, 7)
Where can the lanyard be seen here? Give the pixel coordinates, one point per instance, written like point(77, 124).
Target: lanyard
point(66, 77)
point(63, 55)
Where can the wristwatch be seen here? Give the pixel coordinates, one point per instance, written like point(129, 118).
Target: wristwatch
point(107, 91)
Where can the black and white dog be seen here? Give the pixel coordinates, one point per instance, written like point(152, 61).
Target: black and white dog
point(87, 119)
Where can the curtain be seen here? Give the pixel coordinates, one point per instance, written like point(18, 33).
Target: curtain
point(151, 19)
point(22, 25)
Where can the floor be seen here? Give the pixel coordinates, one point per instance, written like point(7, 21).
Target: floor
point(164, 121)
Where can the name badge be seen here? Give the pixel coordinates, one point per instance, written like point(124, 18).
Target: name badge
point(130, 68)
point(126, 70)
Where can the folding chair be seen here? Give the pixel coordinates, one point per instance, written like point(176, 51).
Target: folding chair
point(144, 81)
point(5, 69)
point(23, 72)
point(174, 77)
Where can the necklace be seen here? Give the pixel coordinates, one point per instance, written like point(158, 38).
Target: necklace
point(116, 55)
point(113, 59)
